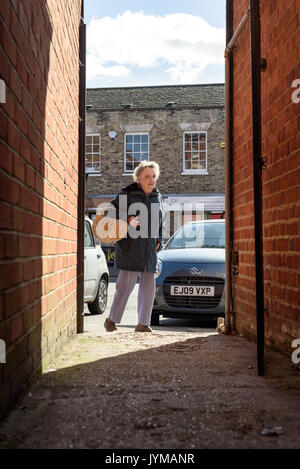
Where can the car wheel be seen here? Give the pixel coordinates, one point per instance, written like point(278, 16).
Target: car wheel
point(154, 319)
point(99, 304)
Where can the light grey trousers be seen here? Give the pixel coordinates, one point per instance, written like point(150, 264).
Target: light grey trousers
point(124, 287)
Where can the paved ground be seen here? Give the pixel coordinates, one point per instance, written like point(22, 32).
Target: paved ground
point(182, 387)
point(95, 324)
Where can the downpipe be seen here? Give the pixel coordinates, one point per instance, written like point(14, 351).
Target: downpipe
point(229, 315)
point(256, 67)
point(231, 39)
point(81, 175)
point(252, 12)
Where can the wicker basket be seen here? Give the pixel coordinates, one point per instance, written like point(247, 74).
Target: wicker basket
point(108, 229)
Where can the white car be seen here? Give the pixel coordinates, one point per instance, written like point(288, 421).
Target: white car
point(96, 274)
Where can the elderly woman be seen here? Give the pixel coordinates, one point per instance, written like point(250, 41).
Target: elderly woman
point(140, 203)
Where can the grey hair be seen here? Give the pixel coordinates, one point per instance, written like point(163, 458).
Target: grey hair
point(145, 164)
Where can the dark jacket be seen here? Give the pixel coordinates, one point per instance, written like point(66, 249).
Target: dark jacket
point(137, 251)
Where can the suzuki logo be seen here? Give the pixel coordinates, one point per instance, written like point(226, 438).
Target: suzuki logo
point(196, 271)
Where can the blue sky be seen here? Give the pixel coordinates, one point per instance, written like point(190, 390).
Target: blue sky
point(154, 42)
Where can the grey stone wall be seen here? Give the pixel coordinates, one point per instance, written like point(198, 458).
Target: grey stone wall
point(166, 127)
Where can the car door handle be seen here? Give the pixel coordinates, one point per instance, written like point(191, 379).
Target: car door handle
point(98, 256)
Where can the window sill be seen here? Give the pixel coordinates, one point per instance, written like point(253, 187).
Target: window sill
point(195, 172)
point(127, 174)
point(93, 174)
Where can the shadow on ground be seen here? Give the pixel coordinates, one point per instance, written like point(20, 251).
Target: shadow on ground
point(165, 390)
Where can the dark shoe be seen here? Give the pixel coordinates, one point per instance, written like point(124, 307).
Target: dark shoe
point(109, 325)
point(141, 328)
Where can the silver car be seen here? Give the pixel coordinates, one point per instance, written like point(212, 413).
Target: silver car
point(190, 279)
point(96, 274)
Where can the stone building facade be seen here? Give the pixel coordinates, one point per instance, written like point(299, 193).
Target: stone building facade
point(182, 128)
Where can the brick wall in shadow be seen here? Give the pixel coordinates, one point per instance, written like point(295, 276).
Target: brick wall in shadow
point(38, 186)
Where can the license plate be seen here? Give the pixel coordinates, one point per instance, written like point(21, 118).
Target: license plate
point(187, 290)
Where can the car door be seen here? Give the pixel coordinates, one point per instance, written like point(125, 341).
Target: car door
point(91, 263)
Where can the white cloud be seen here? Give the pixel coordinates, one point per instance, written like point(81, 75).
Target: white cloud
point(182, 44)
point(96, 67)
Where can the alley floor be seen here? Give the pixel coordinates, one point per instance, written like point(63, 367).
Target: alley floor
point(177, 388)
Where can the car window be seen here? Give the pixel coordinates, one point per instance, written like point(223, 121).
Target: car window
point(88, 236)
point(199, 235)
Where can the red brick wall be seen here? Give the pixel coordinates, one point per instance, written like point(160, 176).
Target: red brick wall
point(38, 184)
point(280, 34)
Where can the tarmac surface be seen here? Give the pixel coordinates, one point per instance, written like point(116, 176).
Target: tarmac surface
point(184, 386)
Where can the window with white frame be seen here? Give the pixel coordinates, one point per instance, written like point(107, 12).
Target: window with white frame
point(195, 152)
point(136, 149)
point(92, 153)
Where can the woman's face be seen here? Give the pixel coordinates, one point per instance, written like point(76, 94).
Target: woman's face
point(147, 180)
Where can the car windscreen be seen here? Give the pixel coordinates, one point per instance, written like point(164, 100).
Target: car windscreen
point(199, 235)
point(88, 236)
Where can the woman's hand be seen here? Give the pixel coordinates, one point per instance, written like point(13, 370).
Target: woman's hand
point(133, 221)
